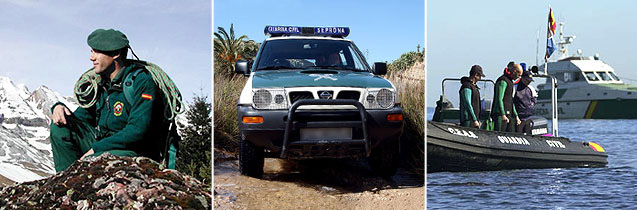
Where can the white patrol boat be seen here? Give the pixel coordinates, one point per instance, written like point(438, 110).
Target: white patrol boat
point(586, 88)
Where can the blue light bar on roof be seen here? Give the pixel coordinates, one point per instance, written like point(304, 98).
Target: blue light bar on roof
point(306, 31)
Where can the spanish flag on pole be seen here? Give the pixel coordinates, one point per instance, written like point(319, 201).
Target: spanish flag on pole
point(550, 44)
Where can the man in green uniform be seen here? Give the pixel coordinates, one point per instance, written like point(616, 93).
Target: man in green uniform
point(470, 98)
point(503, 111)
point(115, 124)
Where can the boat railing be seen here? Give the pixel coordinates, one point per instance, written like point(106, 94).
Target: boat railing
point(485, 85)
point(553, 100)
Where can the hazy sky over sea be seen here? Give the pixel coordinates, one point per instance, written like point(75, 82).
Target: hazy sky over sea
point(492, 33)
point(382, 29)
point(44, 42)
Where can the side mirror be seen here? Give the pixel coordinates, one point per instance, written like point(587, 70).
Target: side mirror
point(379, 68)
point(242, 67)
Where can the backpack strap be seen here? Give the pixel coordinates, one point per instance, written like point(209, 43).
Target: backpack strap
point(129, 91)
point(172, 146)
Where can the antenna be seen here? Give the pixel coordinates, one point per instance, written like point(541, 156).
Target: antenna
point(564, 41)
point(537, 47)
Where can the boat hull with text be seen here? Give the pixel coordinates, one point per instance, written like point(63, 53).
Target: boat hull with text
point(455, 148)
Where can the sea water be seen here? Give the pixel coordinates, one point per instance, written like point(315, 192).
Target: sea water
point(612, 187)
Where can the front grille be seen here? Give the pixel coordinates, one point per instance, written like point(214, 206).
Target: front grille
point(325, 94)
point(349, 94)
point(295, 96)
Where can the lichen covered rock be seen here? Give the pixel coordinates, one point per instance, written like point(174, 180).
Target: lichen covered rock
point(109, 182)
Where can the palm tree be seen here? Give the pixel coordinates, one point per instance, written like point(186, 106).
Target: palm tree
point(227, 47)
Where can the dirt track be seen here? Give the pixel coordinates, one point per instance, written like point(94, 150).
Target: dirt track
point(317, 184)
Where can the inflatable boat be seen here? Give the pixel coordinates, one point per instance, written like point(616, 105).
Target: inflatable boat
point(454, 148)
point(451, 147)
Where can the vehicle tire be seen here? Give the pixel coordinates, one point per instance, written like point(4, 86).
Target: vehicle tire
point(250, 159)
point(384, 159)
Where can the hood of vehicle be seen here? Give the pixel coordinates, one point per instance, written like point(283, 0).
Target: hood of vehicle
point(317, 78)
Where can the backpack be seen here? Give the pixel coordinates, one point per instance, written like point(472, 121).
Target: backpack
point(168, 155)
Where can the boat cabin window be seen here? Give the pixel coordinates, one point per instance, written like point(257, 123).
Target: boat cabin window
point(604, 76)
point(613, 75)
point(591, 76)
point(572, 76)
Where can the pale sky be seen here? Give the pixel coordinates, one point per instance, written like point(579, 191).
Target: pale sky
point(44, 42)
point(383, 30)
point(492, 33)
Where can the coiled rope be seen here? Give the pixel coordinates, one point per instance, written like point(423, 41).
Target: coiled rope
point(172, 96)
point(85, 89)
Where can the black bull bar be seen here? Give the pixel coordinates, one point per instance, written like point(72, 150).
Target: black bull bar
point(292, 125)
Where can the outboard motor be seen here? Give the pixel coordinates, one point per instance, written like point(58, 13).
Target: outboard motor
point(441, 105)
point(540, 125)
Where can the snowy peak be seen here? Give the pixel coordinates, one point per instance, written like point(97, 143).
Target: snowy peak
point(12, 102)
point(43, 98)
point(25, 151)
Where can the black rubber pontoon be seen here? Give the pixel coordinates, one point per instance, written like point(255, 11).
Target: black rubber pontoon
point(455, 148)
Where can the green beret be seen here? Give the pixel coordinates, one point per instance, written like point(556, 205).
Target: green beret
point(107, 40)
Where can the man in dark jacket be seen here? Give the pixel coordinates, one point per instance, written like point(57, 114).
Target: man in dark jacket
point(470, 98)
point(524, 101)
point(114, 124)
point(502, 111)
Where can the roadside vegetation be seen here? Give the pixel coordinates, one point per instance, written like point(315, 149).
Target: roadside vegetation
point(228, 49)
point(407, 74)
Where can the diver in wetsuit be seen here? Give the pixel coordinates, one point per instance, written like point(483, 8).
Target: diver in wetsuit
point(470, 98)
point(502, 110)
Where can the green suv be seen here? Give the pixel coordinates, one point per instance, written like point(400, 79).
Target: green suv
point(311, 94)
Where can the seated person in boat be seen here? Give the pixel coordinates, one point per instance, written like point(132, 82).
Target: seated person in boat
point(503, 112)
point(470, 105)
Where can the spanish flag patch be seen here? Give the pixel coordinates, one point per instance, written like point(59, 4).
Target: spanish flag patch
point(146, 96)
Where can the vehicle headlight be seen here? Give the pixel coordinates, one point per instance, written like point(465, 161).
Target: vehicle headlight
point(269, 99)
point(385, 98)
point(380, 98)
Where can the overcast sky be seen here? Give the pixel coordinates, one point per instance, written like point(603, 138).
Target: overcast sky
point(492, 33)
point(383, 30)
point(44, 42)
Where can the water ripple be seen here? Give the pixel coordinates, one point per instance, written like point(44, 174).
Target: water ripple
point(612, 187)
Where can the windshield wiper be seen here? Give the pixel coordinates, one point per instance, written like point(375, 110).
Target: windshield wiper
point(275, 67)
point(337, 67)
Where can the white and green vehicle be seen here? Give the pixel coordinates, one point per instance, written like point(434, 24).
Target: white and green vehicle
point(311, 94)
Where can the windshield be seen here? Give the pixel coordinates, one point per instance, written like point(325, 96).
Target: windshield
point(613, 75)
point(451, 88)
point(604, 76)
point(310, 54)
point(591, 76)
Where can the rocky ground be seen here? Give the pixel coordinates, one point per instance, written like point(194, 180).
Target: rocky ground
point(109, 182)
point(317, 184)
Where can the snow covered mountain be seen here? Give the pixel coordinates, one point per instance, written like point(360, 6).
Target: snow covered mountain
point(25, 151)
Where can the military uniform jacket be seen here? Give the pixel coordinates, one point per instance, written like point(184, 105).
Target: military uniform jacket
point(135, 124)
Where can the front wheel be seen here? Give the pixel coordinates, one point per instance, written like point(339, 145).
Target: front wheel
point(250, 159)
point(384, 159)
